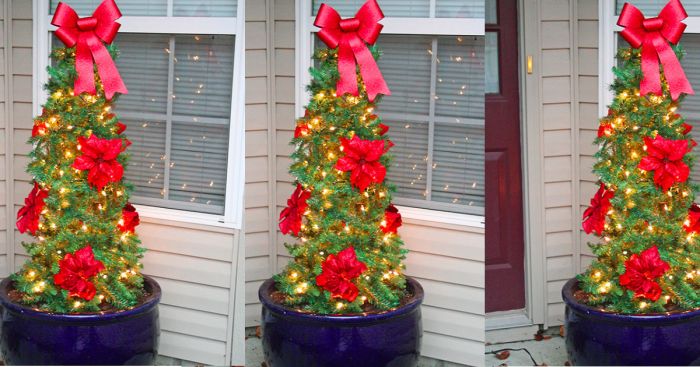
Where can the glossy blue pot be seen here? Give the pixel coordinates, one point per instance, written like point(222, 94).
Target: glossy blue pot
point(32, 337)
point(388, 339)
point(601, 338)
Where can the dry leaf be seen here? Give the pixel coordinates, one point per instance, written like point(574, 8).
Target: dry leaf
point(503, 355)
point(562, 331)
point(258, 332)
point(567, 363)
point(546, 337)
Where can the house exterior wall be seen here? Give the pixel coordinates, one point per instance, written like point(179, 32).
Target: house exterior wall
point(448, 260)
point(568, 109)
point(197, 266)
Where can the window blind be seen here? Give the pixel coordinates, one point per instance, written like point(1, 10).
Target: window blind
point(411, 8)
point(652, 7)
point(436, 116)
point(180, 8)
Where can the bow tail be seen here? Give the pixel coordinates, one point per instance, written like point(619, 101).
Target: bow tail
point(651, 76)
point(372, 77)
point(347, 69)
point(111, 80)
point(85, 82)
point(673, 71)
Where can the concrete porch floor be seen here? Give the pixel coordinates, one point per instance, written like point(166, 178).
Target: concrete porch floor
point(254, 354)
point(546, 352)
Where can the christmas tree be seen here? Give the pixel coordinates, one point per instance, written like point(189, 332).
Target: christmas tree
point(85, 257)
point(643, 211)
point(349, 256)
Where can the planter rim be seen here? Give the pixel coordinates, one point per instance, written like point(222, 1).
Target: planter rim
point(149, 303)
point(567, 293)
point(413, 304)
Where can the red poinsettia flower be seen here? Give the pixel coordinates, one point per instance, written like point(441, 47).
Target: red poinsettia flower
point(301, 130)
point(338, 272)
point(594, 216)
point(362, 160)
point(28, 216)
point(665, 158)
point(641, 271)
point(130, 219)
point(383, 129)
point(290, 217)
point(39, 129)
point(686, 129)
point(75, 273)
point(120, 129)
point(392, 220)
point(100, 158)
point(692, 222)
point(605, 129)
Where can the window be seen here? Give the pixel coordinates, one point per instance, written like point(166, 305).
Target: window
point(433, 62)
point(181, 61)
point(690, 107)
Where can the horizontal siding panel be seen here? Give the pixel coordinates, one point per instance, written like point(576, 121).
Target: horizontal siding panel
point(257, 268)
point(256, 117)
point(256, 169)
point(554, 10)
point(251, 291)
point(256, 195)
point(555, 314)
point(554, 291)
point(252, 315)
point(588, 34)
point(257, 244)
point(587, 61)
point(453, 323)
point(192, 322)
point(186, 241)
point(445, 269)
point(194, 296)
point(191, 347)
point(557, 169)
point(588, 89)
point(556, 116)
point(186, 268)
point(557, 143)
point(557, 219)
point(560, 268)
point(556, 62)
point(257, 220)
point(256, 143)
point(285, 116)
point(440, 241)
point(558, 194)
point(452, 296)
point(468, 352)
point(559, 243)
point(555, 35)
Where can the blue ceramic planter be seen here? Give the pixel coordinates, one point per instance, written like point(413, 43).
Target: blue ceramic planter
point(598, 338)
point(295, 339)
point(31, 337)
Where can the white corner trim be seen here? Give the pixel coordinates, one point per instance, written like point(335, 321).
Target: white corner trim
point(607, 46)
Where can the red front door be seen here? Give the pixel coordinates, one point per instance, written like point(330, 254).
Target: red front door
point(505, 247)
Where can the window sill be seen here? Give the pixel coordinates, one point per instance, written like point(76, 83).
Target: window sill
point(436, 216)
point(181, 218)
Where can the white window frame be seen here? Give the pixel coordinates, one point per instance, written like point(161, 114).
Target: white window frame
point(235, 177)
point(607, 49)
point(392, 25)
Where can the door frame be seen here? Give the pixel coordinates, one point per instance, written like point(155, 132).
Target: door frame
point(528, 319)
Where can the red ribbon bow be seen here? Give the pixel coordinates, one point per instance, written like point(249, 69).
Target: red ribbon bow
point(88, 34)
point(653, 35)
point(349, 36)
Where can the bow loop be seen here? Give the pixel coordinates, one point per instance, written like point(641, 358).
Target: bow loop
point(349, 36)
point(87, 36)
point(653, 35)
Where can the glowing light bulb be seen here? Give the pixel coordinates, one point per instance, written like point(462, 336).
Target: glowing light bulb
point(294, 275)
point(77, 304)
point(339, 305)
